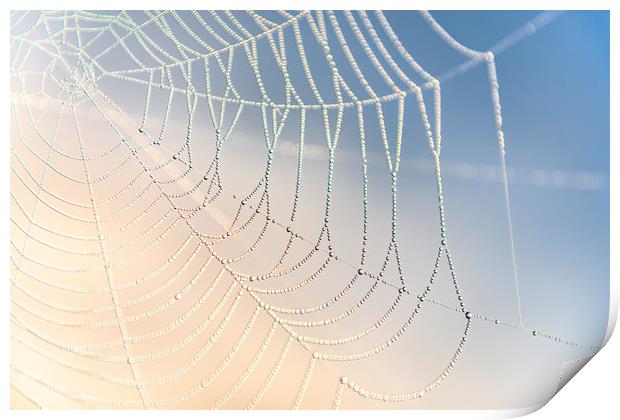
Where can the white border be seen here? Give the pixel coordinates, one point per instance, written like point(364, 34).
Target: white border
point(592, 394)
point(318, 4)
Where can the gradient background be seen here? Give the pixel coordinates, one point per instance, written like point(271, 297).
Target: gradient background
point(554, 89)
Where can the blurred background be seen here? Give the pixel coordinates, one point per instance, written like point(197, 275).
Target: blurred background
point(113, 188)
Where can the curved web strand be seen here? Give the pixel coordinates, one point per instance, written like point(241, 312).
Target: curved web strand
point(140, 268)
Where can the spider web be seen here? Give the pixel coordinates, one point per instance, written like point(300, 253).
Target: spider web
point(156, 266)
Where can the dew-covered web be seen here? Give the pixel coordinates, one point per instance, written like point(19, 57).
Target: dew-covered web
point(163, 256)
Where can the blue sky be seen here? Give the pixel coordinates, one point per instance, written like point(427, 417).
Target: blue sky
point(554, 89)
